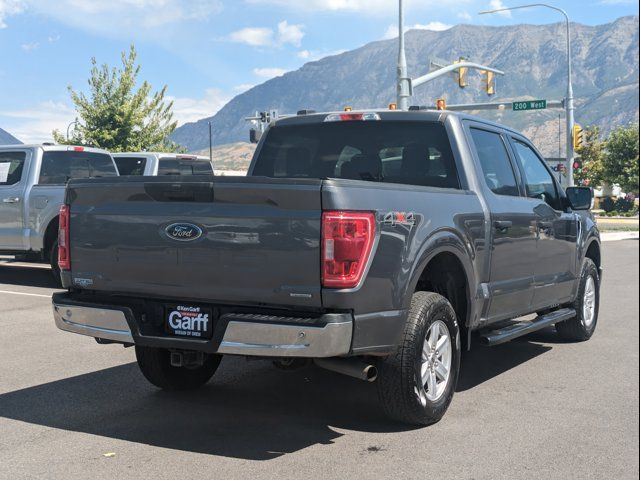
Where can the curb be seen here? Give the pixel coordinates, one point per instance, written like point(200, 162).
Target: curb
point(616, 236)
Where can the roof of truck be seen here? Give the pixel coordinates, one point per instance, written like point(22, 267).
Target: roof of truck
point(53, 148)
point(423, 114)
point(161, 154)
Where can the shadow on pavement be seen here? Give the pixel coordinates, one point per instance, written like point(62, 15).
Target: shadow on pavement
point(249, 410)
point(26, 275)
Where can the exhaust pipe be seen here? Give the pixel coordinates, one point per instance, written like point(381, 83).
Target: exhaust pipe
point(349, 366)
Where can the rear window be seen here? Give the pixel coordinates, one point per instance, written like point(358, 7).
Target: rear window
point(131, 165)
point(412, 153)
point(58, 167)
point(184, 166)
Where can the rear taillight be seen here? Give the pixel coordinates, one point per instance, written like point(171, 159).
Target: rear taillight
point(64, 249)
point(347, 240)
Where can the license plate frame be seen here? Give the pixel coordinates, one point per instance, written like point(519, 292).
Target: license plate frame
point(182, 320)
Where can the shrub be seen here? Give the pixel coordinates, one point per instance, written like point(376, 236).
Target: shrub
point(625, 204)
point(607, 204)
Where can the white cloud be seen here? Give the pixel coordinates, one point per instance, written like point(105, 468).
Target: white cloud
point(267, 37)
point(313, 55)
point(53, 38)
point(269, 72)
point(28, 47)
point(191, 109)
point(392, 30)
point(292, 34)
point(255, 37)
point(35, 124)
point(496, 5)
point(8, 8)
point(465, 16)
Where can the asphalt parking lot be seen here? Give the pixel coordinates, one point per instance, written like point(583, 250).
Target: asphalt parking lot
point(534, 408)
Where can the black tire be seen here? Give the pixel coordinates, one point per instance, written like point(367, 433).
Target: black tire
point(155, 365)
point(400, 388)
point(576, 329)
point(55, 269)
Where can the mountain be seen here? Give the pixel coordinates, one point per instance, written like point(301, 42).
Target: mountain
point(605, 63)
point(7, 139)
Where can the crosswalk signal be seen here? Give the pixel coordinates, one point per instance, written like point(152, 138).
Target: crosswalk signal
point(578, 136)
point(441, 104)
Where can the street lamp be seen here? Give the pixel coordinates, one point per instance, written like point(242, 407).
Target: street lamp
point(404, 83)
point(569, 105)
point(75, 122)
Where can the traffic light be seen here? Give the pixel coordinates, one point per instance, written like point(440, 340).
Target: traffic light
point(462, 73)
point(490, 82)
point(578, 136)
point(441, 104)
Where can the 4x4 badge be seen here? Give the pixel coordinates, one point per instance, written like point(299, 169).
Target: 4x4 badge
point(399, 218)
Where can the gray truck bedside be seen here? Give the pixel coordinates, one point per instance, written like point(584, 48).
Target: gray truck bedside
point(378, 244)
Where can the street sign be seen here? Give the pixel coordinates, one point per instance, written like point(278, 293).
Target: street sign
point(530, 105)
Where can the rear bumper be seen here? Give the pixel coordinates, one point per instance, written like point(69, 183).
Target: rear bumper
point(329, 335)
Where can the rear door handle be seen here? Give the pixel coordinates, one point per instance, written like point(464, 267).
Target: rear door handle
point(503, 225)
point(11, 200)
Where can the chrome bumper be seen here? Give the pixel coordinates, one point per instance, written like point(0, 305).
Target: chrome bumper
point(240, 338)
point(94, 322)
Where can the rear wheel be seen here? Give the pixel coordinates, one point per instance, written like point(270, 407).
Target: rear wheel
point(55, 269)
point(416, 384)
point(155, 365)
point(587, 303)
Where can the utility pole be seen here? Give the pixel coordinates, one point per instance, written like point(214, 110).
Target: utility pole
point(210, 144)
point(404, 84)
point(569, 103)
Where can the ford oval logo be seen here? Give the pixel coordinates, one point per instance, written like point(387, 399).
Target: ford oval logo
point(183, 232)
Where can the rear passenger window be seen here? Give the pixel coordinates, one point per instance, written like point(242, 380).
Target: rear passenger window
point(494, 159)
point(11, 167)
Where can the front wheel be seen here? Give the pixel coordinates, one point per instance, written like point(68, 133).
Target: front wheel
point(587, 304)
point(155, 365)
point(417, 382)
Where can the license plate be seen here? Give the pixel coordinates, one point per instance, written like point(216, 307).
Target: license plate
point(189, 321)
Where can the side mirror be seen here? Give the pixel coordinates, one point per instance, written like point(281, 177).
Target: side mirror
point(580, 198)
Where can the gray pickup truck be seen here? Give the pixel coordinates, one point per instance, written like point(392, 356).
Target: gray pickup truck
point(378, 244)
point(32, 186)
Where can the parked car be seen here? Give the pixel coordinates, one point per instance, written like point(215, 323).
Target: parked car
point(162, 164)
point(32, 185)
point(378, 243)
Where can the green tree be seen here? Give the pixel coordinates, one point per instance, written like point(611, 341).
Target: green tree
point(592, 155)
point(621, 161)
point(118, 116)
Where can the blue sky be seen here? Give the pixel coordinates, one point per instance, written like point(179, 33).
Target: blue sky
point(208, 51)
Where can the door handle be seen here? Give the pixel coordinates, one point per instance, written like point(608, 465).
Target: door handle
point(503, 225)
point(11, 200)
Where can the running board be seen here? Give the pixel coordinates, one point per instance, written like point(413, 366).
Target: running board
point(505, 334)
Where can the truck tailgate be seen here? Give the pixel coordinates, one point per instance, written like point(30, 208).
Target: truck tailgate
point(232, 240)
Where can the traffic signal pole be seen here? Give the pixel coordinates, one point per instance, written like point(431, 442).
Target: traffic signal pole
point(406, 84)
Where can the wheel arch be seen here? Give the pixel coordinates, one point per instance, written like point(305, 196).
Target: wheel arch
point(444, 263)
point(50, 236)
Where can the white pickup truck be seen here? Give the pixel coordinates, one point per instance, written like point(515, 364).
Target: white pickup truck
point(152, 164)
point(32, 185)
